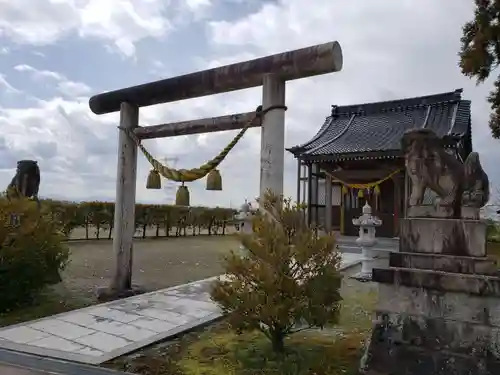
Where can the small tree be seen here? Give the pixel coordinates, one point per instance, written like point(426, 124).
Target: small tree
point(289, 277)
point(480, 52)
point(32, 252)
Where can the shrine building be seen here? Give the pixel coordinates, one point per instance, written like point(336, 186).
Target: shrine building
point(356, 157)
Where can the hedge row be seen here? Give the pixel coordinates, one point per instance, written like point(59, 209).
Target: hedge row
point(166, 219)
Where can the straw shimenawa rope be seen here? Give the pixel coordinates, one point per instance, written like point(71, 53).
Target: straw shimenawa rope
point(189, 175)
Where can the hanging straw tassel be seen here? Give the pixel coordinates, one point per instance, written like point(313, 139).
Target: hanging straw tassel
point(376, 190)
point(344, 189)
point(154, 180)
point(214, 180)
point(182, 196)
point(361, 193)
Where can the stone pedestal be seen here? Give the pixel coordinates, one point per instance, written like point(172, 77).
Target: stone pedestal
point(438, 311)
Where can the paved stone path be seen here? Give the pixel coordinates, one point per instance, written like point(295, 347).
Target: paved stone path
point(96, 334)
point(99, 333)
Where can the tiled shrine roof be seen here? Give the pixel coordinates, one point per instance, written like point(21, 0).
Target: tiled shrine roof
point(374, 130)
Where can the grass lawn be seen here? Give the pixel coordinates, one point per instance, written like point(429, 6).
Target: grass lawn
point(158, 263)
point(216, 350)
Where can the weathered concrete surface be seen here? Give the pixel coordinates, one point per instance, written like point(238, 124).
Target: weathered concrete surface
point(420, 331)
point(388, 354)
point(439, 305)
point(480, 285)
point(445, 263)
point(443, 236)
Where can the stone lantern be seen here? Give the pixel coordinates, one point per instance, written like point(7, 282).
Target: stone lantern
point(243, 221)
point(367, 224)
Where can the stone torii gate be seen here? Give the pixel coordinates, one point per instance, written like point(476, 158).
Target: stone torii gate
point(270, 72)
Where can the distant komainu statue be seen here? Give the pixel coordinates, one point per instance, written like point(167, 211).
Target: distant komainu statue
point(429, 166)
point(476, 187)
point(26, 182)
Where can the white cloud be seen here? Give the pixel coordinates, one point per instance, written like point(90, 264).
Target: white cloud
point(391, 50)
point(119, 23)
point(38, 74)
point(63, 85)
point(7, 86)
point(73, 89)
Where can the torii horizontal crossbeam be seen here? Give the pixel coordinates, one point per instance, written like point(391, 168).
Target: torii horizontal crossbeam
point(300, 63)
point(204, 125)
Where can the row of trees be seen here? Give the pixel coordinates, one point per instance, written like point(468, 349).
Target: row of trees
point(167, 220)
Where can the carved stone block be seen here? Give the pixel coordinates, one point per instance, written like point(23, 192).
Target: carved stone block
point(480, 285)
point(427, 211)
point(443, 236)
point(470, 213)
point(445, 263)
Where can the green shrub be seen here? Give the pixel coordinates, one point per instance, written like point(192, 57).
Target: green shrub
point(492, 230)
point(289, 277)
point(100, 216)
point(32, 253)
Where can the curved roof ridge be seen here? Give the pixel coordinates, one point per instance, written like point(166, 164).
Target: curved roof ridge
point(333, 139)
point(417, 101)
point(319, 134)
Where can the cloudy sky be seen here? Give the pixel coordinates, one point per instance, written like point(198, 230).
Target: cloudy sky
point(54, 54)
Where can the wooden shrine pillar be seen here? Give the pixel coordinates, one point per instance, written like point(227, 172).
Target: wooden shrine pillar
point(328, 204)
point(272, 150)
point(309, 194)
point(299, 180)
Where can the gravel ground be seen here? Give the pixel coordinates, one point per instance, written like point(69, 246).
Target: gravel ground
point(157, 263)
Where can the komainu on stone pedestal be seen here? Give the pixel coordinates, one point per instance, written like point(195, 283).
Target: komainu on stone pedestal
point(438, 313)
point(430, 166)
point(438, 310)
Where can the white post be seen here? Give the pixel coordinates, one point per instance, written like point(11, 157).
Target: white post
point(272, 151)
point(328, 204)
point(124, 222)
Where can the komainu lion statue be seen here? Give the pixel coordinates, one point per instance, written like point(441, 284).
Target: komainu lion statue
point(476, 183)
point(26, 182)
point(429, 166)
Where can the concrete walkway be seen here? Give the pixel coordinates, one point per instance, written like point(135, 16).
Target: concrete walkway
point(99, 333)
point(96, 334)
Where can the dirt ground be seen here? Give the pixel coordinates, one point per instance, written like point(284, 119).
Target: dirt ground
point(157, 263)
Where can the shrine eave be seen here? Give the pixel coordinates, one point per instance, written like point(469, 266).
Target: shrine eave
point(374, 130)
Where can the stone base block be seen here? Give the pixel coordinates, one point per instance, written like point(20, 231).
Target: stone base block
point(106, 294)
point(480, 285)
point(443, 236)
point(445, 263)
point(406, 345)
point(428, 211)
point(437, 304)
point(422, 331)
